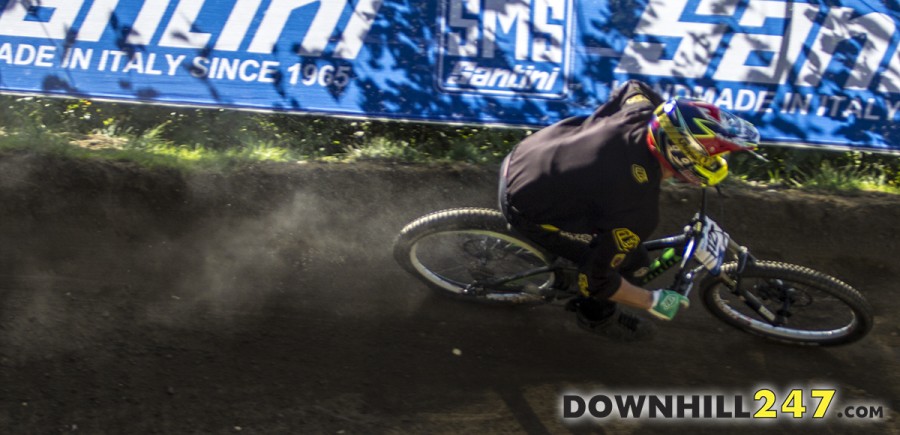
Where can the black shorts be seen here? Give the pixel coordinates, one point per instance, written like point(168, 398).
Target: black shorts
point(602, 279)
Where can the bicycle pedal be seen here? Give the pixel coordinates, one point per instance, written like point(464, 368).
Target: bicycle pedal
point(572, 304)
point(532, 289)
point(548, 294)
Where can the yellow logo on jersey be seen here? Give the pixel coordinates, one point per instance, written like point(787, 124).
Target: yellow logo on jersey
point(583, 284)
point(617, 261)
point(639, 98)
point(626, 240)
point(639, 173)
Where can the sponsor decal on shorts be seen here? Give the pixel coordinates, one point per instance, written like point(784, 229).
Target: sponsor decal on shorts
point(583, 284)
point(617, 260)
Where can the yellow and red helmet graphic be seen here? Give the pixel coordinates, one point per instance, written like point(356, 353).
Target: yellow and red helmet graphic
point(691, 137)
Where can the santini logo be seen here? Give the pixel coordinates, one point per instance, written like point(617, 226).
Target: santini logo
point(79, 21)
point(765, 42)
point(506, 48)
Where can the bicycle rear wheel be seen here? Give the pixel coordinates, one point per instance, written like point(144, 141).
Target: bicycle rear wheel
point(817, 309)
point(451, 249)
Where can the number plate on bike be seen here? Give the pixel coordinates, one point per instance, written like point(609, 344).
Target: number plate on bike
point(712, 246)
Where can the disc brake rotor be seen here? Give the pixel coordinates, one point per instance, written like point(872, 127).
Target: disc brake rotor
point(777, 290)
point(482, 251)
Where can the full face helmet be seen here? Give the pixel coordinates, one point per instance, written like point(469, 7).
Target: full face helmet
point(691, 137)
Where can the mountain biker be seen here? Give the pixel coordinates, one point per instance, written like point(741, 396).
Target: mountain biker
point(598, 177)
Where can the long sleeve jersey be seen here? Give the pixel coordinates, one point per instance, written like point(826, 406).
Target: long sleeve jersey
point(593, 175)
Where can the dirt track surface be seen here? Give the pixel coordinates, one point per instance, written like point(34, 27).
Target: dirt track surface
point(147, 301)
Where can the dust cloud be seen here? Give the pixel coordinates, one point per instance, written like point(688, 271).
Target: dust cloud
point(187, 249)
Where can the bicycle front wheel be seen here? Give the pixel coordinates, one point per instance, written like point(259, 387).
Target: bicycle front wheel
point(456, 251)
point(816, 309)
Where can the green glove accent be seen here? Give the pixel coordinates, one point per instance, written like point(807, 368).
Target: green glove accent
point(666, 304)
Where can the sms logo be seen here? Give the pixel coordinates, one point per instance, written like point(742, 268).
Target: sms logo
point(520, 47)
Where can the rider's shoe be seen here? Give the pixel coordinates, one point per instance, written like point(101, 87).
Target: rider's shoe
point(614, 323)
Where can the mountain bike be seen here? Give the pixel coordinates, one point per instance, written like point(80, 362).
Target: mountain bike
point(473, 254)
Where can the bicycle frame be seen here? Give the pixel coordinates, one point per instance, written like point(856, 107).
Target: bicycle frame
point(687, 243)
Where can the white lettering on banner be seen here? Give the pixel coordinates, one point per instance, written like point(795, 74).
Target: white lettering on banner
point(78, 58)
point(893, 107)
point(472, 37)
point(694, 52)
point(319, 31)
point(27, 55)
point(247, 70)
point(463, 43)
point(503, 47)
point(745, 45)
point(147, 22)
point(354, 33)
point(174, 62)
point(237, 25)
point(795, 103)
point(506, 17)
point(877, 29)
point(98, 17)
point(178, 33)
point(138, 64)
point(470, 73)
point(755, 55)
point(837, 107)
point(167, 64)
point(325, 76)
point(16, 19)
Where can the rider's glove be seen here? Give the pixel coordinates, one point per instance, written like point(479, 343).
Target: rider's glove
point(666, 303)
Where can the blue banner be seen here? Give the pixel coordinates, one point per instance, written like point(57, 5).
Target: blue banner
point(807, 73)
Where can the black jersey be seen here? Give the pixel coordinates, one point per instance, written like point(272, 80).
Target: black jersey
point(593, 175)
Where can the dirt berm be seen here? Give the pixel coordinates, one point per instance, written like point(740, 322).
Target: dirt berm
point(266, 301)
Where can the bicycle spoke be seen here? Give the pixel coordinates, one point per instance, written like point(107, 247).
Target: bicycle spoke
point(461, 257)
